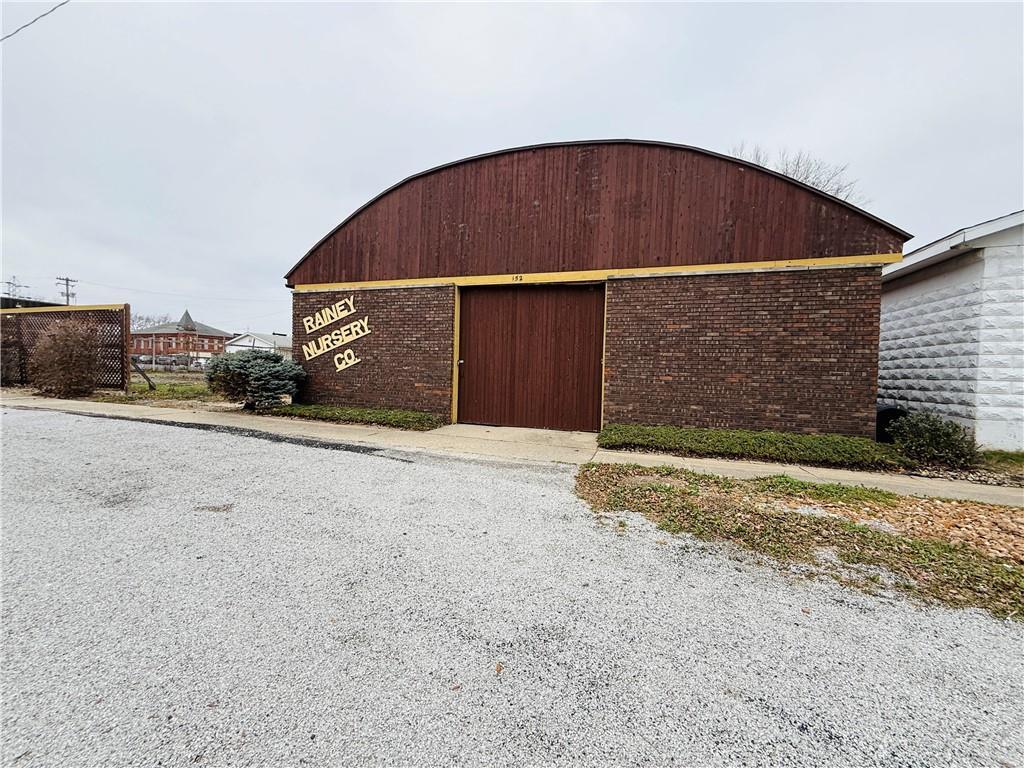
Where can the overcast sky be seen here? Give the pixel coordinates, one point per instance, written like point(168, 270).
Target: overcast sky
point(186, 155)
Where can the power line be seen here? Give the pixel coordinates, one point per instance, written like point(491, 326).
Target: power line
point(186, 295)
point(14, 287)
point(249, 320)
point(67, 293)
point(267, 314)
point(37, 18)
point(198, 297)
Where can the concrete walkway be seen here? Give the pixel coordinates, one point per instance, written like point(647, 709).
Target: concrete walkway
point(511, 444)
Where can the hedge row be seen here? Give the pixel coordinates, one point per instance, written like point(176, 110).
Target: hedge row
point(785, 447)
point(383, 417)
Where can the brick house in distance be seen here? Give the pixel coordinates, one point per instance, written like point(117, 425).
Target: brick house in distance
point(185, 337)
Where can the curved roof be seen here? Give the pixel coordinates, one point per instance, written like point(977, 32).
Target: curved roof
point(641, 142)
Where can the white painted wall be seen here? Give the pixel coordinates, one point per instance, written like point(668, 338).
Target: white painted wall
point(248, 342)
point(952, 340)
point(999, 408)
point(244, 342)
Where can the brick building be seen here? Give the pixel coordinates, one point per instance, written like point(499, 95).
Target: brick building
point(566, 286)
point(185, 337)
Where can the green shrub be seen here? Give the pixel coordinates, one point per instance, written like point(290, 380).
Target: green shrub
point(385, 417)
point(786, 447)
point(258, 378)
point(65, 361)
point(930, 439)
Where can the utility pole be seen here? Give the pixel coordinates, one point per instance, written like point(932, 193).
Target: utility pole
point(14, 287)
point(67, 293)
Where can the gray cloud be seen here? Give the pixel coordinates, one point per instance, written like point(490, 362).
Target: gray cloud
point(201, 149)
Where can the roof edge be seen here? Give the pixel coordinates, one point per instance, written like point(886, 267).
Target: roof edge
point(951, 245)
point(550, 144)
point(269, 337)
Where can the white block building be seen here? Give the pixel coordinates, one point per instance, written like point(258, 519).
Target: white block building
point(952, 331)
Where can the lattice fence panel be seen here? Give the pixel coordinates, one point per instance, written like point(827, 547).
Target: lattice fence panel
point(21, 329)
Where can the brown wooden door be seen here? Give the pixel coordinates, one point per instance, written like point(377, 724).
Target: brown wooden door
point(531, 356)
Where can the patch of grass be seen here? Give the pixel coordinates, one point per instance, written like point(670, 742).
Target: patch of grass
point(786, 447)
point(177, 377)
point(140, 391)
point(384, 417)
point(738, 512)
point(1003, 461)
point(783, 485)
point(198, 391)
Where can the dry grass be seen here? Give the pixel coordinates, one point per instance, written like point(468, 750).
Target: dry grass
point(867, 538)
point(996, 530)
point(165, 391)
point(1008, 462)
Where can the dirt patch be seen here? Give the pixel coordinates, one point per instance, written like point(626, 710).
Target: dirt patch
point(216, 508)
point(116, 499)
point(191, 405)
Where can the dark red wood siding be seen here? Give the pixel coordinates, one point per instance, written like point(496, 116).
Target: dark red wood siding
point(589, 206)
point(531, 356)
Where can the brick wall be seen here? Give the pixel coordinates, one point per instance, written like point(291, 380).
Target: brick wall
point(793, 351)
point(405, 360)
point(175, 344)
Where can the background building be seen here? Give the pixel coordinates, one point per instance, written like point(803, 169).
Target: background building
point(278, 342)
point(13, 302)
point(565, 286)
point(953, 331)
point(185, 337)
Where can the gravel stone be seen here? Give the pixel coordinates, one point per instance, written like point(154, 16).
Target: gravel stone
point(177, 597)
point(974, 475)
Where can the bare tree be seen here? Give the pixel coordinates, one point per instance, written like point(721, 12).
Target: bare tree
point(805, 167)
point(141, 322)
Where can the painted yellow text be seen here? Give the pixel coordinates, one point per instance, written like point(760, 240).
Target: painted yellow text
point(345, 359)
point(328, 315)
point(339, 337)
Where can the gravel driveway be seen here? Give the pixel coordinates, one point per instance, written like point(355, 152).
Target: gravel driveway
point(177, 597)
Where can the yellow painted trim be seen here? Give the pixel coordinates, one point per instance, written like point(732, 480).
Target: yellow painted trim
point(604, 352)
point(72, 308)
point(590, 275)
point(457, 325)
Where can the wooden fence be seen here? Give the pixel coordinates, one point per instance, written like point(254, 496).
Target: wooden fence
point(22, 328)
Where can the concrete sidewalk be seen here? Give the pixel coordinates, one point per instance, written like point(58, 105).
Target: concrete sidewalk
point(511, 444)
